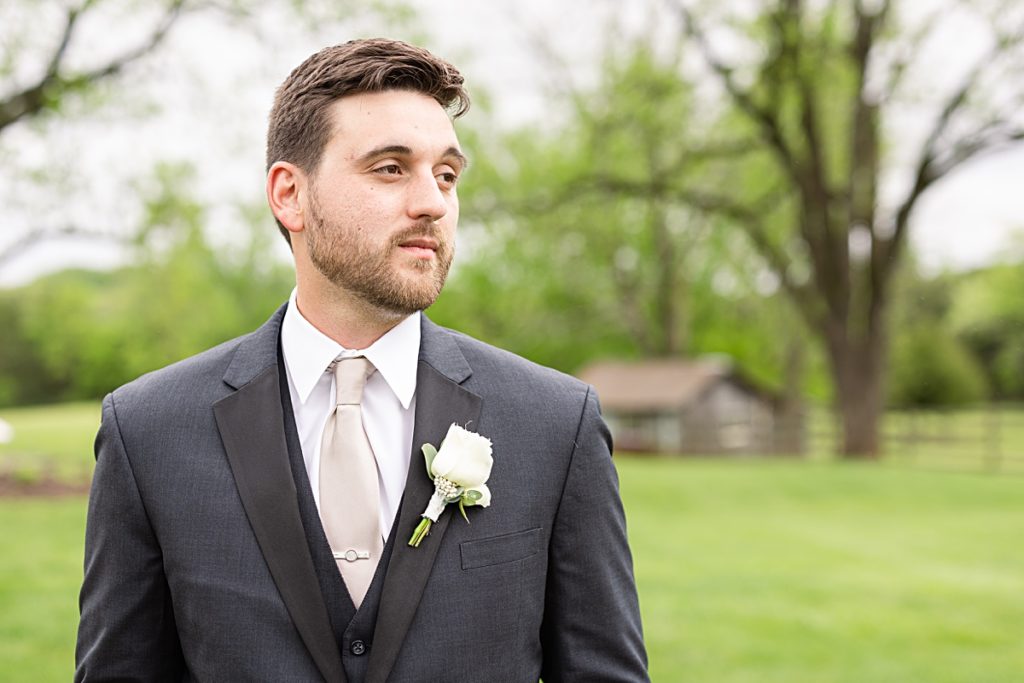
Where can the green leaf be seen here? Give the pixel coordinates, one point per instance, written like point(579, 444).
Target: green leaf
point(429, 453)
point(473, 495)
point(462, 509)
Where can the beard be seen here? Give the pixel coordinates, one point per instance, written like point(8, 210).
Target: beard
point(370, 271)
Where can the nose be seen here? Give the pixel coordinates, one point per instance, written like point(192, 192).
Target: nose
point(426, 199)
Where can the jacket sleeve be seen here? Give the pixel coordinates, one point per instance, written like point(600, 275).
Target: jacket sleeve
point(127, 630)
point(591, 630)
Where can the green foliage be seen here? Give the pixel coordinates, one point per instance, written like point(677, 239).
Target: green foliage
point(23, 375)
point(68, 318)
point(959, 336)
point(988, 315)
point(931, 368)
point(1008, 368)
point(429, 453)
point(78, 334)
point(574, 245)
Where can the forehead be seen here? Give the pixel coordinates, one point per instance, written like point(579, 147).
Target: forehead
point(393, 117)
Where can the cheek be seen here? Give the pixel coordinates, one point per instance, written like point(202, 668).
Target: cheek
point(448, 226)
point(363, 199)
point(453, 212)
point(359, 214)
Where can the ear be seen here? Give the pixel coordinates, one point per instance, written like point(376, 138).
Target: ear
point(286, 183)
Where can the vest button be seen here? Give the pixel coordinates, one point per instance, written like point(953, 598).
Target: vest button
point(357, 648)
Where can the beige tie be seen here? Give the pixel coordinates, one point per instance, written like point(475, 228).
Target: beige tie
point(349, 497)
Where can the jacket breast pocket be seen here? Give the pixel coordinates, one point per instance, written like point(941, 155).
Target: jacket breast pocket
point(500, 549)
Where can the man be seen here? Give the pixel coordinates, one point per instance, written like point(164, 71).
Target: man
point(229, 538)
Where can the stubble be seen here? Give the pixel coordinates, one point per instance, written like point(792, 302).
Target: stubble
point(373, 272)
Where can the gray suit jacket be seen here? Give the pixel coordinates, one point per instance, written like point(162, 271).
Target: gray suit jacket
point(197, 565)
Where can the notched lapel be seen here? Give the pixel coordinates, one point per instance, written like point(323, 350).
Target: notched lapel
point(440, 401)
point(251, 424)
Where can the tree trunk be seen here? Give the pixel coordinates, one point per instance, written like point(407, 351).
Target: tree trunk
point(667, 296)
point(790, 424)
point(861, 409)
point(858, 370)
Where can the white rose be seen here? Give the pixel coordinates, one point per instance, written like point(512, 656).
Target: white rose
point(485, 495)
point(465, 459)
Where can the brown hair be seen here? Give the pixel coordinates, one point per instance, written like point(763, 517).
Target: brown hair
point(300, 122)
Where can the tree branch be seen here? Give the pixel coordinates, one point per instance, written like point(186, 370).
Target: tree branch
point(750, 216)
point(35, 98)
point(766, 120)
point(970, 147)
point(909, 49)
point(557, 72)
point(863, 171)
point(828, 245)
point(801, 296)
point(787, 21)
point(53, 68)
point(928, 168)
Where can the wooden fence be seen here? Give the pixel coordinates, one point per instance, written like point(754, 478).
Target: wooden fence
point(988, 438)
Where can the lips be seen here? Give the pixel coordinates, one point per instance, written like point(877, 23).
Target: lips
point(420, 243)
point(420, 247)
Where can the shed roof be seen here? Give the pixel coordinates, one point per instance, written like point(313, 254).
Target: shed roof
point(654, 385)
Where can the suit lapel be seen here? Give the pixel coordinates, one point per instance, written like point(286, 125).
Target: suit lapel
point(251, 424)
point(440, 401)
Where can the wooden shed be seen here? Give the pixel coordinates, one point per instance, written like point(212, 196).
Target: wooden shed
point(683, 406)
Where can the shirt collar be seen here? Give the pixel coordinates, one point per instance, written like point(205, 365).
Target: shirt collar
point(308, 352)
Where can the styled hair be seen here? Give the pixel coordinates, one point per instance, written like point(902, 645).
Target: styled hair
point(300, 120)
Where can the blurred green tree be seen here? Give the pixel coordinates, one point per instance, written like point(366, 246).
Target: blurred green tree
point(575, 247)
point(78, 334)
point(38, 76)
point(814, 84)
point(52, 71)
point(944, 373)
point(988, 314)
point(931, 368)
point(47, 90)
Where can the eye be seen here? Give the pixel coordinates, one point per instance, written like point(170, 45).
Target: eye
point(447, 178)
point(388, 169)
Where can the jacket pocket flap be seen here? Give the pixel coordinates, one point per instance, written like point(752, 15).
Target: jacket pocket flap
point(500, 549)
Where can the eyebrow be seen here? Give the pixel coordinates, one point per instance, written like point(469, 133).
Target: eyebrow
point(402, 150)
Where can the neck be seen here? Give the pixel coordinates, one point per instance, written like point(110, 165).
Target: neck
point(342, 316)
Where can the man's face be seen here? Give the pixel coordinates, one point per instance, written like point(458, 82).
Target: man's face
point(382, 205)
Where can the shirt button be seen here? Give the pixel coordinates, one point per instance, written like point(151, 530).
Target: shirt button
point(357, 648)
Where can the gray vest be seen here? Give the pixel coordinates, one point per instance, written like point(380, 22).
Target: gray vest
point(353, 629)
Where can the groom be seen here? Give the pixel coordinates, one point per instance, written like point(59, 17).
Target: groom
point(252, 507)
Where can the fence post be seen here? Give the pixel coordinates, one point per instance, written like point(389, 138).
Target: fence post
point(912, 436)
point(993, 455)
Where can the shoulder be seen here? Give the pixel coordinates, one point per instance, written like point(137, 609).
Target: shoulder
point(191, 382)
point(508, 368)
point(521, 387)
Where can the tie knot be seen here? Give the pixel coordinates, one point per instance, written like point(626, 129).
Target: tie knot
point(350, 377)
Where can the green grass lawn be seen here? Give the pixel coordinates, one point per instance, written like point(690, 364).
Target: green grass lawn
point(767, 571)
point(55, 439)
point(40, 572)
point(750, 570)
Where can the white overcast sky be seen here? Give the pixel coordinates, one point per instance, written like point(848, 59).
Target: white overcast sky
point(204, 98)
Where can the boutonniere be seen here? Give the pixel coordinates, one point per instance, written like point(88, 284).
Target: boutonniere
point(459, 471)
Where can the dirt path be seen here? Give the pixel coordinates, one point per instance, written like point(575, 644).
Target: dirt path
point(14, 486)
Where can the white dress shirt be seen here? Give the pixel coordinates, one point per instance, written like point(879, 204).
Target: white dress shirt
point(388, 405)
